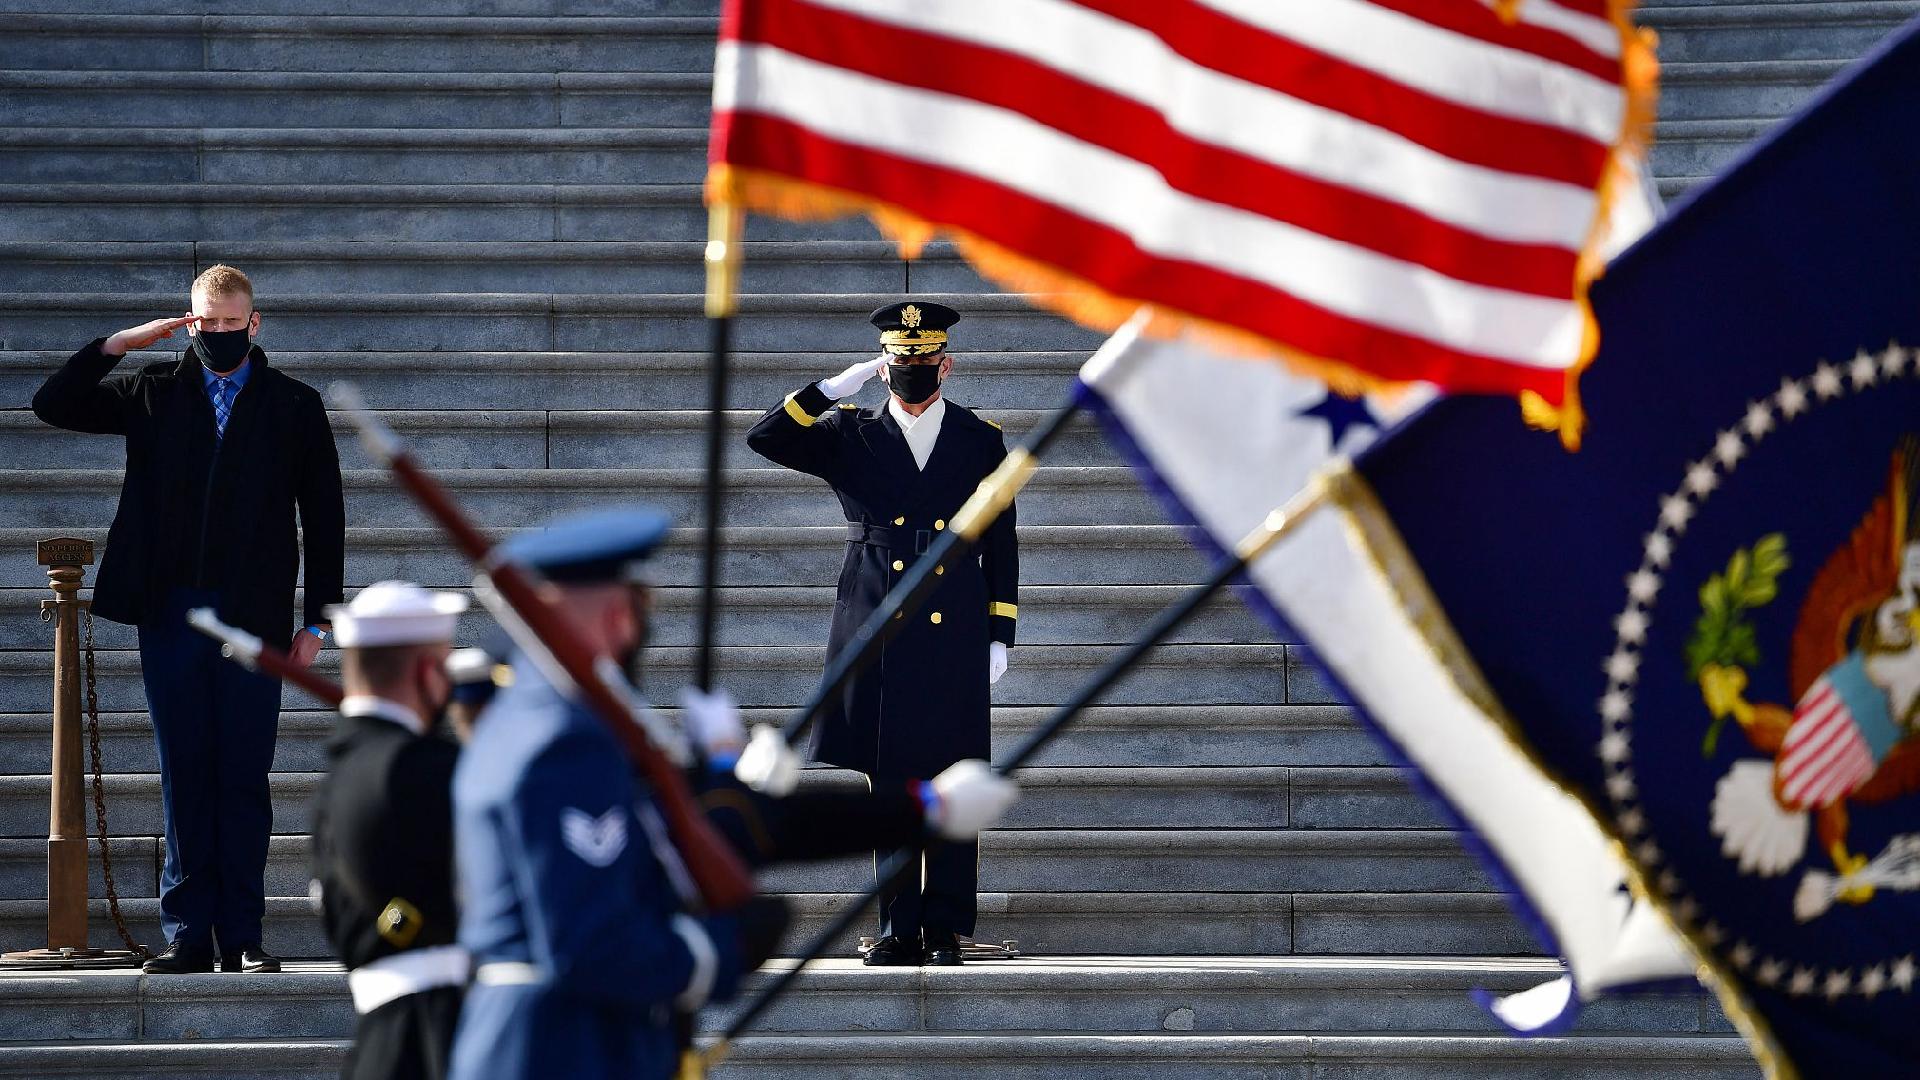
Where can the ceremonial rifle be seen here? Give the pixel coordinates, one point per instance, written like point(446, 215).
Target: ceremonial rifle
point(251, 653)
point(538, 627)
point(898, 869)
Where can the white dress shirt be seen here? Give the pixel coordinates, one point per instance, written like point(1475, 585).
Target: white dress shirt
point(921, 431)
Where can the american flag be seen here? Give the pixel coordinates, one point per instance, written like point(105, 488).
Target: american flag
point(1378, 190)
point(1824, 756)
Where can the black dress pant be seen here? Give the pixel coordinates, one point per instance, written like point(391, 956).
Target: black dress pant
point(941, 902)
point(408, 1038)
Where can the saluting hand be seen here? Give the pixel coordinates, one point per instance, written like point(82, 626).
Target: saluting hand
point(139, 337)
point(853, 378)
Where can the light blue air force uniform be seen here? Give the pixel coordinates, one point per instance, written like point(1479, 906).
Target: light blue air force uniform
point(571, 909)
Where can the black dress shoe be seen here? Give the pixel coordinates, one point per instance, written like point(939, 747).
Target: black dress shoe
point(943, 952)
point(893, 952)
point(179, 959)
point(252, 959)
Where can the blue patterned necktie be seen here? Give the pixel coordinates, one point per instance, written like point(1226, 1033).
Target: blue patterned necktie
point(223, 395)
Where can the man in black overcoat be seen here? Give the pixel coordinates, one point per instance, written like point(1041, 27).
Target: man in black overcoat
point(901, 471)
point(223, 452)
point(383, 833)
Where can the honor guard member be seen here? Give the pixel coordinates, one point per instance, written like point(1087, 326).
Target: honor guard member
point(901, 471)
point(572, 892)
point(383, 832)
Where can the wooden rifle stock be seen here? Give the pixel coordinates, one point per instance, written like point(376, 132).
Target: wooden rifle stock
point(717, 871)
point(255, 655)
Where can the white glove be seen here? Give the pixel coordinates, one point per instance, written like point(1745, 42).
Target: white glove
point(853, 378)
point(996, 662)
point(713, 720)
point(969, 797)
point(768, 765)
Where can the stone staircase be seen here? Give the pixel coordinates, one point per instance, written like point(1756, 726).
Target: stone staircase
point(486, 213)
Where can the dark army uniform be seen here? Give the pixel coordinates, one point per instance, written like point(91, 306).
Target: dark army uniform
point(924, 704)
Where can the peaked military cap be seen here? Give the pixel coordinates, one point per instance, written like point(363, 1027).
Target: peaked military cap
point(914, 327)
point(598, 546)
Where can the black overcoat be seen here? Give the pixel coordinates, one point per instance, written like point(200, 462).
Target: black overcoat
point(925, 704)
point(201, 512)
point(383, 856)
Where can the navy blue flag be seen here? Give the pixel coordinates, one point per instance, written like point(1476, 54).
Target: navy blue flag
point(1706, 623)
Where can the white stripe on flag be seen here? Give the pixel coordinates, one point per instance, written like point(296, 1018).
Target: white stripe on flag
point(1261, 123)
point(1461, 69)
point(1126, 195)
point(1598, 35)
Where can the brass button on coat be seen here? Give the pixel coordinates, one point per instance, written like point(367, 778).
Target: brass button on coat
point(938, 570)
point(898, 565)
point(936, 618)
point(899, 521)
point(941, 524)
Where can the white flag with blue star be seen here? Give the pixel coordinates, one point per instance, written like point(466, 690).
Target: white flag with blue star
point(1223, 441)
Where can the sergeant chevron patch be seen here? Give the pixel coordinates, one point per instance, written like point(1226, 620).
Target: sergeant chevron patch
point(598, 841)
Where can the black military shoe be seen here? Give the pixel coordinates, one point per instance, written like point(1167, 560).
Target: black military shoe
point(943, 951)
point(251, 959)
point(179, 959)
point(892, 951)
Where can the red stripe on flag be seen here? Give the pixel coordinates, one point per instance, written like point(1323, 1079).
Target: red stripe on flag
point(1201, 169)
point(1227, 45)
point(1479, 22)
point(1110, 260)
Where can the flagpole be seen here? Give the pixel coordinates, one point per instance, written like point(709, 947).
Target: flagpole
point(1251, 547)
point(968, 525)
point(724, 227)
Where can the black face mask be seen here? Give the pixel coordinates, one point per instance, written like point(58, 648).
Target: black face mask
point(222, 351)
point(913, 383)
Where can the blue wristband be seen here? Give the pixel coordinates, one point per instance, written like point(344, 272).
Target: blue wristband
point(317, 632)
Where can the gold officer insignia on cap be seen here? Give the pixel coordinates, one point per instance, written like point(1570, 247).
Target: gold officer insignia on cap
point(909, 316)
point(848, 405)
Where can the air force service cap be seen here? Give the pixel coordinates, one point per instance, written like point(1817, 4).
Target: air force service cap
point(595, 547)
point(396, 613)
point(914, 327)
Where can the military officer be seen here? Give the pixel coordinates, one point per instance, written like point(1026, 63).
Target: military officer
point(901, 471)
point(572, 891)
point(383, 832)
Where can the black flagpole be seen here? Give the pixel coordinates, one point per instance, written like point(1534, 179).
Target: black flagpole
point(969, 523)
point(723, 278)
point(1255, 544)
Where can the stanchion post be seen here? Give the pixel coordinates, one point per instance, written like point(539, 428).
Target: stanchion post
point(66, 559)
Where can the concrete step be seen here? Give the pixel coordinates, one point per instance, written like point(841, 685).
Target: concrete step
point(1760, 89)
point(1052, 615)
point(1694, 148)
point(543, 322)
point(178, 103)
point(412, 212)
point(783, 676)
point(387, 42)
point(507, 498)
point(1041, 924)
point(1011, 860)
point(1049, 1056)
point(529, 439)
point(585, 381)
point(753, 555)
point(1097, 994)
point(1008, 1057)
point(544, 8)
point(1112, 735)
point(1148, 796)
point(285, 267)
point(1734, 32)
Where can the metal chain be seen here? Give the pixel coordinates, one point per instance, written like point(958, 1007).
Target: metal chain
point(100, 797)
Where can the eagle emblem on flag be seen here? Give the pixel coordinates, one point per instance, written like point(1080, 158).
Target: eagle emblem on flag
point(1851, 737)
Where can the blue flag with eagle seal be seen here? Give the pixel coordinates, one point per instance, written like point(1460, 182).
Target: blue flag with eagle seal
point(1705, 624)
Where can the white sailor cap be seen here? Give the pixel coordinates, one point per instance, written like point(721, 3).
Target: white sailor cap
point(396, 613)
